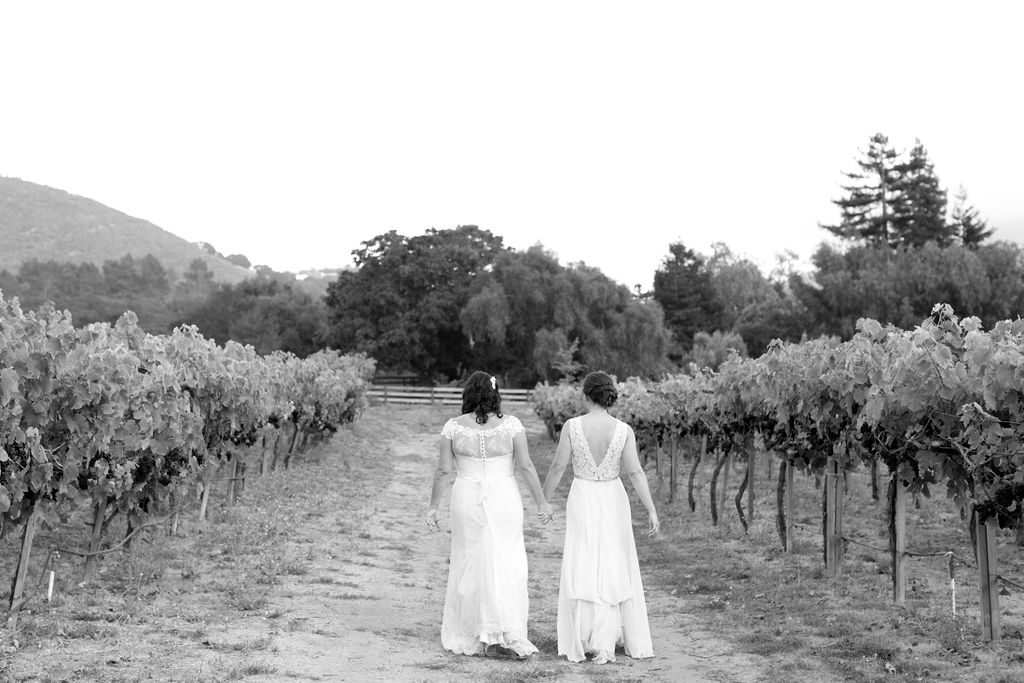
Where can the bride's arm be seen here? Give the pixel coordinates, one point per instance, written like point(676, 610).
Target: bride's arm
point(631, 460)
point(442, 477)
point(558, 465)
point(524, 465)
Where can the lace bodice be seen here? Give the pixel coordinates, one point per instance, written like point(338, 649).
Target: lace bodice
point(583, 464)
point(483, 452)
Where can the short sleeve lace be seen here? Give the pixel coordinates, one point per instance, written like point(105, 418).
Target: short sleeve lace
point(514, 425)
point(511, 424)
point(480, 442)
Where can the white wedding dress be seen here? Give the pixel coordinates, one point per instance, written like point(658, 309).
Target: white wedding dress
point(487, 600)
point(600, 597)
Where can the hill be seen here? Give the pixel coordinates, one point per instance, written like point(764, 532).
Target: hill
point(49, 224)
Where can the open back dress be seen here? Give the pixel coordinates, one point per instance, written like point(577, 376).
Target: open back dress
point(600, 597)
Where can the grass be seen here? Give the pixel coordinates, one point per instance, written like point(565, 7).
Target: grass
point(245, 598)
point(240, 671)
point(783, 608)
point(329, 580)
point(354, 596)
point(295, 568)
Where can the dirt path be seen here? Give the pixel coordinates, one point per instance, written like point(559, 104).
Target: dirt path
point(369, 606)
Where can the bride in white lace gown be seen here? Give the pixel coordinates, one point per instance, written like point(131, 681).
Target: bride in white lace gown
point(487, 603)
point(600, 596)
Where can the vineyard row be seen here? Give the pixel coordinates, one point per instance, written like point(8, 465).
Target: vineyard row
point(127, 423)
point(939, 406)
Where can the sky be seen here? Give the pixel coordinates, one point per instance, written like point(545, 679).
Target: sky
point(293, 131)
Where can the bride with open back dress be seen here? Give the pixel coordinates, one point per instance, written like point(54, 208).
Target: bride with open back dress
point(600, 596)
point(486, 603)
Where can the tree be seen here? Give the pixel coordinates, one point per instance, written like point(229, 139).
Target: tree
point(920, 211)
point(555, 357)
point(269, 313)
point(1004, 267)
point(533, 319)
point(402, 304)
point(900, 286)
point(196, 282)
point(866, 212)
point(737, 283)
point(684, 289)
point(91, 295)
point(711, 350)
point(893, 199)
point(619, 333)
point(239, 260)
point(965, 222)
point(121, 275)
point(153, 278)
point(779, 317)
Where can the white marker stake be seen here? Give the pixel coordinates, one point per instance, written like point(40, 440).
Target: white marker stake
point(952, 583)
point(49, 591)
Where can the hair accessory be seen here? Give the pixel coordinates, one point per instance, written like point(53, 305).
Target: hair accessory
point(494, 382)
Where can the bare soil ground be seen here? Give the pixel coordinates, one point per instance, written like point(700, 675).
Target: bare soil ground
point(325, 572)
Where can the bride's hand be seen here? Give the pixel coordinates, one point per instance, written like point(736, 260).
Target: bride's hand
point(655, 526)
point(431, 518)
point(545, 513)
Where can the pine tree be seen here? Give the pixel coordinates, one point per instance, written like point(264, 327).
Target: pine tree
point(867, 208)
point(920, 207)
point(893, 200)
point(965, 222)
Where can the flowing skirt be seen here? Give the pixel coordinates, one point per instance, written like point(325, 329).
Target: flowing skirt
point(487, 601)
point(601, 597)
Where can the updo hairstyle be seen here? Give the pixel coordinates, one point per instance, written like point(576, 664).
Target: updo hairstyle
point(480, 396)
point(600, 388)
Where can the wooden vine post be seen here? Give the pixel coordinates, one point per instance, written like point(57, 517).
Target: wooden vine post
point(233, 479)
point(988, 579)
point(833, 516)
point(898, 539)
point(874, 479)
point(672, 463)
point(95, 539)
point(295, 445)
point(751, 475)
point(693, 471)
point(276, 448)
point(265, 455)
point(780, 504)
point(657, 468)
point(21, 575)
point(722, 504)
point(790, 508)
point(206, 481)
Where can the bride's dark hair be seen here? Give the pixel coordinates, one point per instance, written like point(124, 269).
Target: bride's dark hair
point(480, 395)
point(600, 388)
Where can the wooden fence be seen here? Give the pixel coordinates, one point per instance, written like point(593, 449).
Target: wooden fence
point(448, 396)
